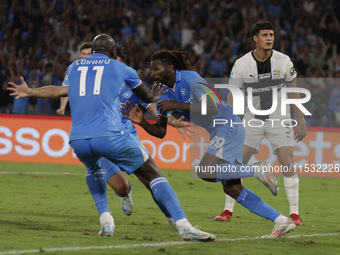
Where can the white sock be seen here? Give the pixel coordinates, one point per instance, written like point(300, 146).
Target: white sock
point(182, 223)
point(229, 203)
point(106, 218)
point(281, 219)
point(292, 190)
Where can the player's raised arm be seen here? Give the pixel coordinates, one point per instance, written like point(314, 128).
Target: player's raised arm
point(44, 92)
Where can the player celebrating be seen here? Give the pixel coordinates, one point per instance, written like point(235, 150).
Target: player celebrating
point(97, 129)
point(262, 70)
point(184, 93)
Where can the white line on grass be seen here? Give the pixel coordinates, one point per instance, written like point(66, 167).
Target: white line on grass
point(143, 245)
point(40, 173)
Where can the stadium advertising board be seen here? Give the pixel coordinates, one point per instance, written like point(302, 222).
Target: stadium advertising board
point(39, 139)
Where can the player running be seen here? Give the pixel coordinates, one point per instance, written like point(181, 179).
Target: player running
point(185, 89)
point(97, 129)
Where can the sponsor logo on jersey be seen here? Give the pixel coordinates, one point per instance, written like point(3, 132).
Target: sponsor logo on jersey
point(276, 74)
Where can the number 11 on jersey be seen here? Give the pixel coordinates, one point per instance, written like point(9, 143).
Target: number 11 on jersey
point(97, 80)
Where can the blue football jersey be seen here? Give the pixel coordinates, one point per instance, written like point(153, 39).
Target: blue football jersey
point(189, 88)
point(94, 86)
point(127, 95)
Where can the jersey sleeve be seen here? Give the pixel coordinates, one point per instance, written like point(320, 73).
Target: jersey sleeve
point(145, 105)
point(236, 77)
point(66, 80)
point(198, 88)
point(290, 74)
point(131, 78)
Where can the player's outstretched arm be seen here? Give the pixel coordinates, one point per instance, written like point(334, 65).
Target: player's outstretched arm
point(136, 115)
point(44, 92)
point(63, 104)
point(183, 127)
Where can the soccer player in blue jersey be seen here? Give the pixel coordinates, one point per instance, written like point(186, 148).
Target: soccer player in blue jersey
point(185, 89)
point(94, 86)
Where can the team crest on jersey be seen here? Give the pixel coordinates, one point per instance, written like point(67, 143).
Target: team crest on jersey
point(184, 92)
point(276, 74)
point(127, 94)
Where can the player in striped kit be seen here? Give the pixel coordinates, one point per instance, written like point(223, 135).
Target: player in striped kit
point(264, 70)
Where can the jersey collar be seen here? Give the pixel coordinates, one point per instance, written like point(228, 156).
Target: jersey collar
point(178, 79)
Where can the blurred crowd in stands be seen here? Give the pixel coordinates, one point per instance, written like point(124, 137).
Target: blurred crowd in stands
point(39, 39)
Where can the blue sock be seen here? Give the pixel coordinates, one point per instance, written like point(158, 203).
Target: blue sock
point(97, 186)
point(227, 171)
point(254, 203)
point(166, 196)
point(162, 207)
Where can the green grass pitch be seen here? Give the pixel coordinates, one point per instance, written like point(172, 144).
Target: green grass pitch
point(49, 206)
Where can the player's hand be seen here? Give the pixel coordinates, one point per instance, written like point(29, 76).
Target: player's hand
point(157, 91)
point(183, 127)
point(61, 112)
point(134, 114)
point(18, 90)
point(167, 105)
point(300, 131)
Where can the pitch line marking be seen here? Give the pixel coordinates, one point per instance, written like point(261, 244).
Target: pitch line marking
point(40, 173)
point(144, 245)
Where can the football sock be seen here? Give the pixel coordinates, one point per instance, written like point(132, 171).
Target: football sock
point(162, 207)
point(292, 190)
point(227, 171)
point(229, 203)
point(255, 204)
point(281, 219)
point(97, 186)
point(165, 195)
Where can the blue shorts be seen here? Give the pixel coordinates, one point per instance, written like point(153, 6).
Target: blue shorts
point(125, 151)
point(227, 143)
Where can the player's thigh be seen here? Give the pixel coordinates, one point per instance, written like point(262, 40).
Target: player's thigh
point(148, 171)
point(227, 144)
point(82, 149)
point(254, 136)
point(247, 153)
point(109, 167)
point(127, 153)
point(280, 136)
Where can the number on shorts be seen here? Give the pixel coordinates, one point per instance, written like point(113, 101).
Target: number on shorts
point(216, 142)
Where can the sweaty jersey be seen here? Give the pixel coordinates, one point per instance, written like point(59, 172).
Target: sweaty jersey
point(94, 86)
point(262, 77)
point(189, 88)
point(127, 95)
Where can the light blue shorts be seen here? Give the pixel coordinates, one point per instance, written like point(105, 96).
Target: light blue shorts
point(227, 143)
point(126, 152)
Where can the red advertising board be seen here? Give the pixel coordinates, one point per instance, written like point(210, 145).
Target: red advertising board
point(44, 139)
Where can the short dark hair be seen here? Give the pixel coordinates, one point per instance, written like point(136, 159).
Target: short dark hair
point(261, 25)
point(85, 45)
point(120, 52)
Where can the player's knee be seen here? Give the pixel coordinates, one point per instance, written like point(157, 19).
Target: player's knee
point(123, 189)
point(207, 176)
point(234, 191)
